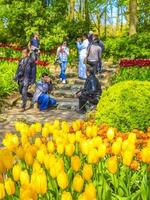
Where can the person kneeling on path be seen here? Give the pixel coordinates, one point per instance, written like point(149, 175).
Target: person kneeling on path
point(41, 95)
point(91, 91)
point(25, 76)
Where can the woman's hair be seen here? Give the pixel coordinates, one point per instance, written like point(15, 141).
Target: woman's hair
point(65, 41)
point(85, 35)
point(26, 49)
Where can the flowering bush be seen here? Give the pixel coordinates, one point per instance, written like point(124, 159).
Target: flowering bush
point(136, 62)
point(125, 105)
point(81, 161)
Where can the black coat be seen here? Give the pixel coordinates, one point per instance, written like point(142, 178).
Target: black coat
point(26, 71)
point(92, 86)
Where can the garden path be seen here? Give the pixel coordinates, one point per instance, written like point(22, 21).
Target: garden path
point(65, 110)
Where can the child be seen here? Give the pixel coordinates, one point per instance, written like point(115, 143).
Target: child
point(41, 95)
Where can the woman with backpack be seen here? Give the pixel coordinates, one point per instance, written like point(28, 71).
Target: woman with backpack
point(62, 55)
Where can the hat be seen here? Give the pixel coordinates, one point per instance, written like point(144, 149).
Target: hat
point(90, 32)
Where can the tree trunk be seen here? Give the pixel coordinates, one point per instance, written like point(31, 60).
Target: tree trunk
point(72, 5)
point(132, 16)
point(118, 16)
point(98, 23)
point(105, 23)
point(87, 17)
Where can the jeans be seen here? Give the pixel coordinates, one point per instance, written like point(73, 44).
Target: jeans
point(63, 67)
point(23, 89)
point(45, 102)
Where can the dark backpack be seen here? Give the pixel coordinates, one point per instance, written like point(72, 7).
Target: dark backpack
point(21, 70)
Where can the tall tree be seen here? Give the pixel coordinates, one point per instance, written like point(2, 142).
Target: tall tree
point(132, 17)
point(72, 8)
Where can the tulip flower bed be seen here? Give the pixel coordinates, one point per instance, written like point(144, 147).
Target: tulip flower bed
point(81, 161)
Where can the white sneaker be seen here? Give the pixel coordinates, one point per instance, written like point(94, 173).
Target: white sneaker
point(64, 81)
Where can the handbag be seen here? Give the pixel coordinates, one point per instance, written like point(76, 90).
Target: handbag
point(57, 61)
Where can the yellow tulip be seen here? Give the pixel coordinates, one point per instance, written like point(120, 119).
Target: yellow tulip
point(116, 148)
point(24, 177)
point(60, 148)
point(93, 156)
point(82, 196)
point(78, 136)
point(7, 159)
point(40, 156)
point(38, 142)
point(66, 196)
point(11, 141)
point(36, 166)
point(97, 141)
point(125, 145)
point(127, 157)
point(90, 191)
point(84, 147)
point(9, 186)
point(38, 127)
point(89, 131)
point(75, 163)
point(20, 153)
point(87, 172)
point(102, 150)
point(112, 164)
point(71, 138)
point(50, 147)
point(28, 193)
point(39, 181)
point(28, 158)
point(146, 154)
point(132, 138)
point(56, 124)
point(110, 133)
point(76, 126)
point(2, 191)
point(16, 172)
point(78, 183)
point(94, 130)
point(53, 172)
point(53, 160)
point(69, 150)
point(65, 127)
point(45, 132)
point(62, 180)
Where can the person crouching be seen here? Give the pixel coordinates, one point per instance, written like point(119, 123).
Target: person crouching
point(91, 91)
point(41, 95)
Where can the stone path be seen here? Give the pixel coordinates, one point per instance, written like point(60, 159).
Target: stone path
point(65, 110)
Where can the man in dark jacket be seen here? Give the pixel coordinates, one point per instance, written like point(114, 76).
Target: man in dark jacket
point(25, 76)
point(91, 91)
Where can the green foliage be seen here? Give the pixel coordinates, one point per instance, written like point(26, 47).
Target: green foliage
point(7, 73)
point(125, 105)
point(137, 46)
point(131, 73)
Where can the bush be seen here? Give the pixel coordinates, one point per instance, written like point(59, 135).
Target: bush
point(125, 105)
point(133, 47)
point(131, 73)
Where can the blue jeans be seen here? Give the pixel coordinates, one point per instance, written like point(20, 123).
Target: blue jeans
point(45, 102)
point(63, 67)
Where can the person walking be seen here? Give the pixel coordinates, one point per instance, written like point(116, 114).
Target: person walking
point(94, 55)
point(62, 54)
point(91, 91)
point(25, 76)
point(82, 49)
point(34, 46)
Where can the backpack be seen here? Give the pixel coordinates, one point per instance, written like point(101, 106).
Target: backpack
point(21, 70)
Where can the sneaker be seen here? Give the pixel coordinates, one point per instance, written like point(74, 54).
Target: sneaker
point(64, 81)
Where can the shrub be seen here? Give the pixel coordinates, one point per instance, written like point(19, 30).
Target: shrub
point(133, 47)
point(131, 73)
point(125, 105)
